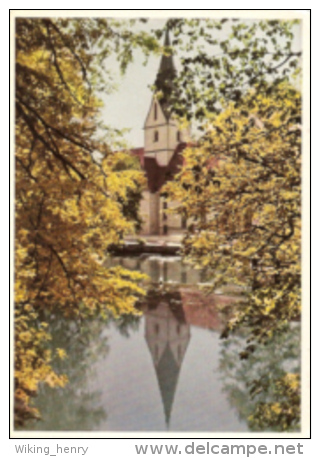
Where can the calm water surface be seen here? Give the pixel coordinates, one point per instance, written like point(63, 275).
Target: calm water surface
point(166, 369)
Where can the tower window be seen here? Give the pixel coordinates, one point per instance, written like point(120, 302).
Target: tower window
point(178, 136)
point(156, 136)
point(155, 111)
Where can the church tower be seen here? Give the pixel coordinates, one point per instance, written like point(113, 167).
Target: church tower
point(161, 132)
point(162, 159)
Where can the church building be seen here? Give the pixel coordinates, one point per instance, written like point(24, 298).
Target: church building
point(161, 156)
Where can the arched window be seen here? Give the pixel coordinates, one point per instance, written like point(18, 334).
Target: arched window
point(156, 136)
point(155, 111)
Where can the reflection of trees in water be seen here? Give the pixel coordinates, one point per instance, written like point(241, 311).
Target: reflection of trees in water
point(127, 323)
point(259, 386)
point(77, 406)
point(264, 386)
point(73, 407)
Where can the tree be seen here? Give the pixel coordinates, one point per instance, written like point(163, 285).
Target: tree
point(265, 387)
point(222, 59)
point(76, 406)
point(241, 188)
point(125, 163)
point(240, 185)
point(70, 198)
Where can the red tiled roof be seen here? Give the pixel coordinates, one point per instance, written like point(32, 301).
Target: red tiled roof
point(138, 152)
point(203, 311)
point(158, 175)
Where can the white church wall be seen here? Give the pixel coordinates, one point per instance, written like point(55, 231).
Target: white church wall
point(172, 136)
point(173, 221)
point(151, 144)
point(163, 157)
point(144, 213)
point(151, 120)
point(154, 212)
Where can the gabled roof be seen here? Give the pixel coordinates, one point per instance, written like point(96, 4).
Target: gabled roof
point(158, 175)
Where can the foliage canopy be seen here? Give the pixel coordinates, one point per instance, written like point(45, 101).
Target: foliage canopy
point(239, 187)
point(72, 198)
point(240, 184)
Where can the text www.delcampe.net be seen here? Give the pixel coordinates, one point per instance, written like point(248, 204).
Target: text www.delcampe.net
point(217, 449)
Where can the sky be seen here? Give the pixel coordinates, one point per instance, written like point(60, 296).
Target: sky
point(128, 106)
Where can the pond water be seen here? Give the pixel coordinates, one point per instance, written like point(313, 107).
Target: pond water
point(164, 370)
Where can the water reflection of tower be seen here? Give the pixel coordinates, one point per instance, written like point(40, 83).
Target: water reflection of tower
point(167, 335)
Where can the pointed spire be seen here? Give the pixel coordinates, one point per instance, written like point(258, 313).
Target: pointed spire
point(167, 374)
point(166, 64)
point(167, 38)
point(165, 77)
